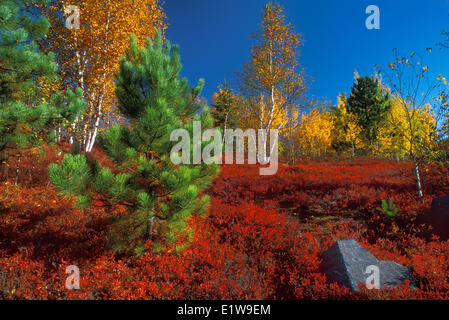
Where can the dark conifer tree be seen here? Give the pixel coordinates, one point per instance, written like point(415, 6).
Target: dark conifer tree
point(370, 103)
point(28, 115)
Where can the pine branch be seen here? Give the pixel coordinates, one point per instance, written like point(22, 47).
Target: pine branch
point(22, 71)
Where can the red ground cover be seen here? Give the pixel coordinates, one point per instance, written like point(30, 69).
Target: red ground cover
point(262, 238)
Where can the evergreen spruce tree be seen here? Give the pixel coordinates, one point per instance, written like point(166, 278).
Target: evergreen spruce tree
point(370, 103)
point(161, 196)
point(27, 117)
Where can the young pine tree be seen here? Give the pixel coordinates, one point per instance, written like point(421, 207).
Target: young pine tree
point(26, 116)
point(161, 195)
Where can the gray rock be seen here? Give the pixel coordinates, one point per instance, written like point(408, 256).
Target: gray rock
point(439, 216)
point(392, 273)
point(346, 263)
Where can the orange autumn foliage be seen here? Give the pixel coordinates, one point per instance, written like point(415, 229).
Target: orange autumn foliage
point(89, 57)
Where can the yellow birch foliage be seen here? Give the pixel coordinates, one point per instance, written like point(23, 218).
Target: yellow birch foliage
point(271, 81)
point(346, 133)
point(314, 135)
point(395, 135)
point(252, 112)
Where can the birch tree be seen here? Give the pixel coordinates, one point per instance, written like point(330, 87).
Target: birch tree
point(224, 108)
point(417, 93)
point(88, 57)
point(272, 82)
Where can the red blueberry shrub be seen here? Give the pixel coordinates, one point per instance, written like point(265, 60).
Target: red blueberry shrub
point(262, 239)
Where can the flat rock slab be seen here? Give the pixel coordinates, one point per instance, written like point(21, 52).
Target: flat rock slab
point(439, 216)
point(346, 263)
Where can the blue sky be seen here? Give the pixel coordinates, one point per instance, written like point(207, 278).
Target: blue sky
point(215, 37)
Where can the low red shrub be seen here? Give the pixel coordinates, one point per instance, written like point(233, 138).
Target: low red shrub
point(263, 237)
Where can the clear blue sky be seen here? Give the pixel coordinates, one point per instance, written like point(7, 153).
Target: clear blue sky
point(215, 37)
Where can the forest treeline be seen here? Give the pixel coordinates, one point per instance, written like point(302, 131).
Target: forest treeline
point(373, 119)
